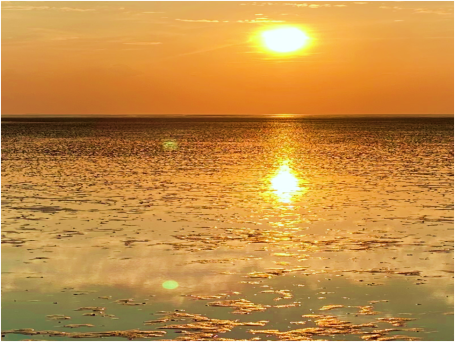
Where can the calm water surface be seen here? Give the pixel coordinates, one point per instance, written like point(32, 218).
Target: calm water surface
point(329, 229)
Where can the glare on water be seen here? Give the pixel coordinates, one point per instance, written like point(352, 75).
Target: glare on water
point(284, 183)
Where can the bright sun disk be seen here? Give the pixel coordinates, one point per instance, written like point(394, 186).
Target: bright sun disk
point(285, 39)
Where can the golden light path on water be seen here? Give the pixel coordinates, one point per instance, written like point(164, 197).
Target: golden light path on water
point(284, 183)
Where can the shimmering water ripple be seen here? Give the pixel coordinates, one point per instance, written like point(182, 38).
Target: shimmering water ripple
point(182, 213)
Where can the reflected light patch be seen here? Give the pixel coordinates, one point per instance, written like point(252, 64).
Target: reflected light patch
point(285, 184)
point(170, 285)
point(285, 39)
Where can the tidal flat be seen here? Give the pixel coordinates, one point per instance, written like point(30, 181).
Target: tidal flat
point(227, 228)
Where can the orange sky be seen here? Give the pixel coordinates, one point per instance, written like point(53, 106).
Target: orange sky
point(203, 58)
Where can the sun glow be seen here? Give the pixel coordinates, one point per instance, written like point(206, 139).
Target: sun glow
point(285, 39)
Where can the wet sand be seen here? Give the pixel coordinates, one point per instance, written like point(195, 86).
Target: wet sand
point(227, 228)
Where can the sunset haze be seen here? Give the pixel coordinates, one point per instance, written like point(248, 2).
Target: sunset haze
point(208, 58)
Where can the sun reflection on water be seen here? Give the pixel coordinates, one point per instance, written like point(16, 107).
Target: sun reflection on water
point(284, 183)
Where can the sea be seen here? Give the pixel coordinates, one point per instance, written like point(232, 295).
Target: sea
point(272, 227)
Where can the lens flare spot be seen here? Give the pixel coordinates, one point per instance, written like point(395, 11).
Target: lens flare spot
point(170, 285)
point(170, 145)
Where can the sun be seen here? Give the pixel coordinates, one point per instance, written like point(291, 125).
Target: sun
point(285, 39)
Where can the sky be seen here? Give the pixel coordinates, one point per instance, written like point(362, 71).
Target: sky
point(208, 57)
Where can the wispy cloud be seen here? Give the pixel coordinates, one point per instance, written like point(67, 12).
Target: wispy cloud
point(43, 8)
point(143, 43)
point(198, 20)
